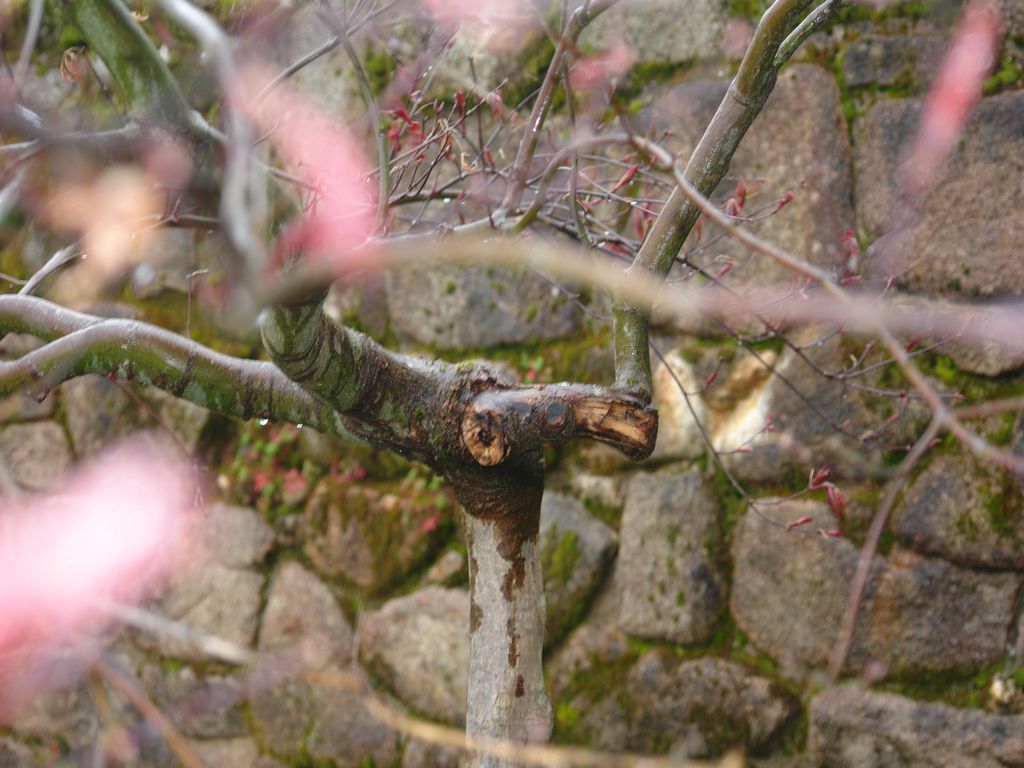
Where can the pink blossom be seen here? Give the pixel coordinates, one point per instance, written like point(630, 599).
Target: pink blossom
point(340, 212)
point(490, 12)
point(111, 533)
point(294, 482)
point(956, 90)
point(497, 25)
point(593, 72)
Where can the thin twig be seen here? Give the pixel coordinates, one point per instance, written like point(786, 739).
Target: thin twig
point(208, 645)
point(376, 119)
point(35, 20)
point(57, 262)
point(867, 554)
point(239, 193)
point(542, 104)
point(127, 687)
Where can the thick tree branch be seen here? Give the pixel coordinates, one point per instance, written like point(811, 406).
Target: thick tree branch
point(131, 57)
point(127, 349)
point(499, 422)
point(708, 164)
point(445, 414)
point(408, 403)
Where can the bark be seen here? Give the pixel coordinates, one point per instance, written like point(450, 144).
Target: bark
point(486, 436)
point(507, 698)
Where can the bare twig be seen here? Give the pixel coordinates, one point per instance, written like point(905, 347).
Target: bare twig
point(208, 645)
point(127, 687)
point(705, 169)
point(35, 20)
point(240, 211)
point(376, 119)
point(542, 104)
point(867, 554)
point(62, 258)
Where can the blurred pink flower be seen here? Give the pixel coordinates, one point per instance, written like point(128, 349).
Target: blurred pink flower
point(492, 24)
point(598, 71)
point(340, 215)
point(167, 161)
point(493, 12)
point(956, 90)
point(111, 534)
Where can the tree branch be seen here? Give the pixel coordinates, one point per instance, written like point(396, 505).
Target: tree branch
point(708, 164)
point(818, 18)
point(373, 110)
point(131, 57)
point(127, 349)
point(445, 414)
point(531, 133)
point(239, 214)
point(499, 422)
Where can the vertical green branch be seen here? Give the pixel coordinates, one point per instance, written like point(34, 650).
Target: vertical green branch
point(140, 74)
point(708, 164)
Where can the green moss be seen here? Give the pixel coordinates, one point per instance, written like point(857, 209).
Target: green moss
point(10, 256)
point(975, 389)
point(584, 359)
point(751, 10)
point(1003, 434)
point(731, 504)
point(599, 679)
point(380, 67)
point(567, 717)
point(559, 558)
point(529, 74)
point(1002, 506)
point(173, 311)
point(643, 75)
point(606, 514)
point(400, 523)
point(1018, 676)
point(962, 689)
point(937, 12)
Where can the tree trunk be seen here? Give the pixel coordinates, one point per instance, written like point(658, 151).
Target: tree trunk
point(507, 698)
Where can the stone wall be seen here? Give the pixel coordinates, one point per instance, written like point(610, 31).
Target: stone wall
point(679, 619)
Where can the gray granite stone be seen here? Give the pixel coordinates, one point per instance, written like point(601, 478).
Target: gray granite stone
point(35, 455)
point(667, 571)
point(476, 307)
point(851, 728)
point(966, 242)
point(655, 30)
point(418, 646)
point(918, 615)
